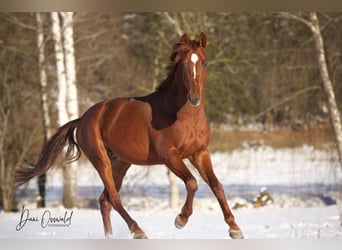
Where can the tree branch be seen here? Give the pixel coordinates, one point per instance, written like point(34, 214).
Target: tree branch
point(295, 17)
point(14, 20)
point(286, 99)
point(174, 23)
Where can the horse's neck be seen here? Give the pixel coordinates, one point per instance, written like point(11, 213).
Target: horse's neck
point(173, 96)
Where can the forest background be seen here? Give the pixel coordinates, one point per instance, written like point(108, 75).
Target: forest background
point(263, 86)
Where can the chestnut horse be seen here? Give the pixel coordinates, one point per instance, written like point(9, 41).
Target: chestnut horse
point(163, 127)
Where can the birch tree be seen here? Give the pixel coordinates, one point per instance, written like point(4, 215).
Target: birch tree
point(327, 84)
point(60, 69)
point(313, 24)
point(44, 100)
point(67, 103)
point(70, 172)
point(328, 88)
point(70, 65)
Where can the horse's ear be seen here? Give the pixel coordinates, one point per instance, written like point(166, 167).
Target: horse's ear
point(202, 40)
point(185, 38)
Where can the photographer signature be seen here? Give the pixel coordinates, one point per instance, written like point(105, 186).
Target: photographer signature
point(46, 219)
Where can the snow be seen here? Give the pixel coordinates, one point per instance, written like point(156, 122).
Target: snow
point(303, 183)
point(267, 222)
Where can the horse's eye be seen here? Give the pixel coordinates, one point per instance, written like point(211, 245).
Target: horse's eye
point(205, 63)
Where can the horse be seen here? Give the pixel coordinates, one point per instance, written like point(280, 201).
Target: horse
point(164, 127)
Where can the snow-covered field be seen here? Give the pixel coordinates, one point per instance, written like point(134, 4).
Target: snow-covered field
point(304, 184)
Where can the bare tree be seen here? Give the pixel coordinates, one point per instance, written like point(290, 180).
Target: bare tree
point(328, 88)
point(19, 140)
point(327, 84)
point(313, 24)
point(44, 100)
point(19, 130)
point(5, 172)
point(70, 172)
point(60, 69)
point(67, 93)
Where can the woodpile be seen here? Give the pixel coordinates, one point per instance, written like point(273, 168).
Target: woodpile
point(263, 198)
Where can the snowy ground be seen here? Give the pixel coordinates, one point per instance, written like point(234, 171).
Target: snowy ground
point(303, 183)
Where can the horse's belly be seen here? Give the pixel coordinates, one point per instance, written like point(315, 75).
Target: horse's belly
point(132, 147)
point(129, 137)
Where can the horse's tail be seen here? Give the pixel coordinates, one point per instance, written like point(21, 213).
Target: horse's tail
point(51, 150)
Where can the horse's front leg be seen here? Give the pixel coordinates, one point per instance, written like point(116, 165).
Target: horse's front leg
point(174, 162)
point(201, 160)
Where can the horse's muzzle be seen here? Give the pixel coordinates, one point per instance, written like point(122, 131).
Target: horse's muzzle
point(194, 99)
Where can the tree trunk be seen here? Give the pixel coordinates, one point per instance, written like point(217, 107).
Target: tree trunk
point(70, 172)
point(4, 115)
point(60, 70)
point(327, 85)
point(328, 90)
point(69, 180)
point(7, 188)
point(44, 102)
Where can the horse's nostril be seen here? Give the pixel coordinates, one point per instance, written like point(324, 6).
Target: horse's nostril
point(194, 99)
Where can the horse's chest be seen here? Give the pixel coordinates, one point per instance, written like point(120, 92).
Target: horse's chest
point(190, 139)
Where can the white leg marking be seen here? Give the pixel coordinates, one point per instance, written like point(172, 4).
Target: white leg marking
point(194, 59)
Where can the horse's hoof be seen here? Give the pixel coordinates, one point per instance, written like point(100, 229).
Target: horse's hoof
point(235, 234)
point(140, 236)
point(109, 236)
point(179, 223)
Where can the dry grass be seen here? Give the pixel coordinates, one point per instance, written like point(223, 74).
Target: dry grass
point(225, 140)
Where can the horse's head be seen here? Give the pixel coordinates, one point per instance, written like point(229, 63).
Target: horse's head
point(189, 62)
point(194, 62)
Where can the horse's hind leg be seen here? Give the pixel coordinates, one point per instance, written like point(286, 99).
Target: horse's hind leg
point(97, 154)
point(105, 208)
point(119, 170)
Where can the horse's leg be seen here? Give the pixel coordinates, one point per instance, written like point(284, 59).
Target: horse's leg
point(201, 160)
point(119, 170)
point(177, 166)
point(105, 208)
point(97, 154)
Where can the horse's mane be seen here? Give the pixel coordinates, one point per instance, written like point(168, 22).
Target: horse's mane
point(179, 51)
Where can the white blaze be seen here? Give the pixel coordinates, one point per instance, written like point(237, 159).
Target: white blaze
point(194, 59)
